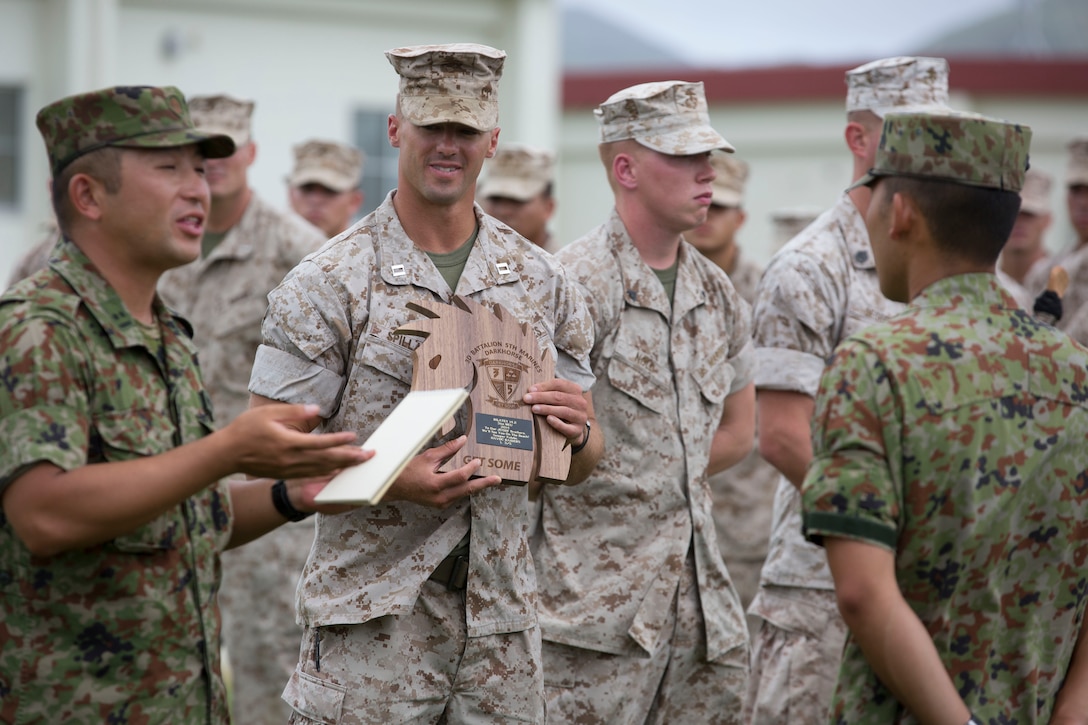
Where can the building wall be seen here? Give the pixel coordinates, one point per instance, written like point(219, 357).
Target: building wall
point(310, 65)
point(788, 125)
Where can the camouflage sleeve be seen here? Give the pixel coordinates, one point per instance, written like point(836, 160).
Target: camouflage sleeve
point(851, 489)
point(742, 353)
point(44, 409)
point(793, 324)
point(573, 334)
point(306, 335)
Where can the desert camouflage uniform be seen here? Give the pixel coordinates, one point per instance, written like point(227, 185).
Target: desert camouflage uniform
point(744, 494)
point(224, 296)
point(988, 526)
point(332, 324)
point(126, 631)
point(1075, 299)
point(664, 371)
point(818, 289)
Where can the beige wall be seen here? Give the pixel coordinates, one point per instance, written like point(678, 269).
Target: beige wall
point(798, 159)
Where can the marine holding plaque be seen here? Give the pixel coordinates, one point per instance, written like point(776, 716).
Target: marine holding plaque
point(496, 358)
point(447, 553)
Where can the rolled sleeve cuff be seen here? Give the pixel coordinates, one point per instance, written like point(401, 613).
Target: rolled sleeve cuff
point(279, 375)
point(783, 369)
point(818, 524)
point(569, 368)
point(744, 364)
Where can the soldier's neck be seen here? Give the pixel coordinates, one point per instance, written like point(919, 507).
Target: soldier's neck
point(435, 228)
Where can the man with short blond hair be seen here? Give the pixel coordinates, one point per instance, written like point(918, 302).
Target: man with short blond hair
point(640, 620)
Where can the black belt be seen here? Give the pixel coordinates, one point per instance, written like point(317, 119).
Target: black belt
point(452, 573)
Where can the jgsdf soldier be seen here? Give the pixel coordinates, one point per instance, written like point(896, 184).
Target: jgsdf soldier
point(397, 626)
point(949, 483)
point(640, 620)
point(114, 507)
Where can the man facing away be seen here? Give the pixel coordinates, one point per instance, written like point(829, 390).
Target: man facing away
point(323, 187)
point(640, 620)
point(423, 608)
point(115, 507)
point(817, 290)
point(950, 476)
point(519, 189)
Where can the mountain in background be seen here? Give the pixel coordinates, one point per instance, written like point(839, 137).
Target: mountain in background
point(1037, 28)
point(591, 43)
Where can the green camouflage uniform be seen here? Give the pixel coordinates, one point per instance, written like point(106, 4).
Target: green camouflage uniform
point(954, 436)
point(126, 631)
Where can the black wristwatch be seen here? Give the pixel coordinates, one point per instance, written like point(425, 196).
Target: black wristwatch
point(578, 448)
point(283, 504)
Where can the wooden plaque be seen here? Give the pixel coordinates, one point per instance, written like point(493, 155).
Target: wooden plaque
point(496, 359)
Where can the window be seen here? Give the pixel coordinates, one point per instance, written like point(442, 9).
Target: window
point(10, 107)
point(380, 164)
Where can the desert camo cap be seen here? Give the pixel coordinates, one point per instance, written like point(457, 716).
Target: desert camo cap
point(1035, 196)
point(728, 185)
point(454, 83)
point(903, 83)
point(964, 148)
point(223, 114)
point(334, 165)
point(1077, 171)
point(122, 116)
point(518, 172)
point(667, 116)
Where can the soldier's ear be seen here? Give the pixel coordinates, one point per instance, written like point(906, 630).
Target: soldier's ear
point(85, 193)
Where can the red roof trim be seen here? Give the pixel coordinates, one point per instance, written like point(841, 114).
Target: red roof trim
point(801, 82)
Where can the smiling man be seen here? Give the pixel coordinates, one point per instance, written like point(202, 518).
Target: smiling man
point(648, 627)
point(423, 608)
point(114, 511)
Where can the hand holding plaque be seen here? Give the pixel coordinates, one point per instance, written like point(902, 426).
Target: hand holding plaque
point(496, 359)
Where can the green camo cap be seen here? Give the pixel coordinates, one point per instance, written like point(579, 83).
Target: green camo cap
point(124, 116)
point(965, 148)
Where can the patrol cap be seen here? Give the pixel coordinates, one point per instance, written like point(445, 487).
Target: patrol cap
point(223, 114)
point(964, 148)
point(1077, 173)
point(903, 83)
point(667, 116)
point(518, 172)
point(728, 185)
point(334, 165)
point(1035, 196)
point(125, 117)
point(454, 83)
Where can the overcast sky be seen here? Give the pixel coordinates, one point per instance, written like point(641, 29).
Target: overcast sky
point(754, 32)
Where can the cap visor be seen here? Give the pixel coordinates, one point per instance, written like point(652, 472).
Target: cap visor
point(328, 179)
point(866, 180)
point(517, 189)
point(213, 146)
point(430, 110)
point(686, 141)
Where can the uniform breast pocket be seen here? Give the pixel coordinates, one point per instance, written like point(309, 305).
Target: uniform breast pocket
point(714, 378)
point(387, 357)
point(133, 434)
point(638, 375)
